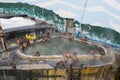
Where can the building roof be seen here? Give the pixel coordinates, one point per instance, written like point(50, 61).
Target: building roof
point(18, 23)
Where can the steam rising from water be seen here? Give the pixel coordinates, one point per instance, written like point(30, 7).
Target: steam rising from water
point(57, 46)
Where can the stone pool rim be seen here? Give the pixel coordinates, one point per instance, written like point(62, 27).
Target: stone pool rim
point(51, 57)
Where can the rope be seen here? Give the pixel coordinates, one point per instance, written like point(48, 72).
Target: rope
point(83, 15)
point(0, 23)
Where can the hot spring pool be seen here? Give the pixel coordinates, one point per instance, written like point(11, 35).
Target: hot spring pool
point(57, 46)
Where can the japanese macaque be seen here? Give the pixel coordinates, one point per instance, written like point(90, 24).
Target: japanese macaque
point(13, 64)
point(44, 39)
point(71, 38)
point(21, 49)
point(25, 45)
point(67, 55)
point(48, 35)
point(71, 55)
point(92, 52)
point(101, 50)
point(20, 41)
point(37, 53)
point(61, 64)
point(84, 39)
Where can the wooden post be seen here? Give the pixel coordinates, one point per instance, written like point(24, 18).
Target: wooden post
point(80, 71)
point(3, 39)
point(69, 24)
point(66, 25)
point(69, 72)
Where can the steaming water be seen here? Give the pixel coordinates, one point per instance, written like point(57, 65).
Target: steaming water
point(57, 46)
